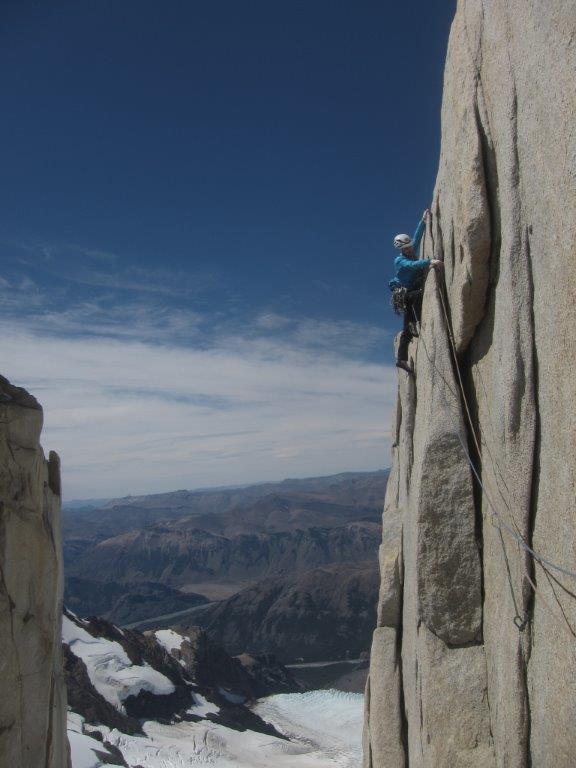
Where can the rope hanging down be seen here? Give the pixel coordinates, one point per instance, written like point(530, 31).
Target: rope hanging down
point(519, 620)
point(515, 535)
point(497, 519)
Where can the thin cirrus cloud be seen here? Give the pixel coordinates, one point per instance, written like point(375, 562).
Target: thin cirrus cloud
point(144, 397)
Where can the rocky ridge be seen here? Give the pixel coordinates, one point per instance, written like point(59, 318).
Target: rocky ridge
point(33, 704)
point(472, 662)
point(325, 613)
point(177, 556)
point(120, 680)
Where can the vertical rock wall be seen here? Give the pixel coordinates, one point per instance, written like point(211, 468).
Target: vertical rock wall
point(32, 691)
point(474, 658)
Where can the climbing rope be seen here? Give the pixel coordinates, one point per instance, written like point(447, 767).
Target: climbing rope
point(517, 536)
point(566, 622)
point(478, 441)
point(519, 621)
point(497, 518)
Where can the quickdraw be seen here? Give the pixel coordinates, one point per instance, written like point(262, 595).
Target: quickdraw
point(398, 300)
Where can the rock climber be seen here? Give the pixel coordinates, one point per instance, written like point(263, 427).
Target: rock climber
point(407, 286)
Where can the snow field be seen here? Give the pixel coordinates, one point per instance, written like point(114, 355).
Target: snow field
point(169, 639)
point(329, 721)
point(110, 670)
point(325, 728)
point(81, 746)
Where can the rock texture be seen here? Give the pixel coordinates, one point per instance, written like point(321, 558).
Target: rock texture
point(33, 696)
point(250, 677)
point(473, 660)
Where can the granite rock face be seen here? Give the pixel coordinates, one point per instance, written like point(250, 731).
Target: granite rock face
point(33, 694)
point(473, 659)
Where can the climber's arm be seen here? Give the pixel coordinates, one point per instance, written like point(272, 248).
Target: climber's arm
point(416, 239)
point(411, 266)
point(420, 230)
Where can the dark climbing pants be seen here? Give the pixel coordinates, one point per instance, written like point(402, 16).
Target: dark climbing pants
point(413, 313)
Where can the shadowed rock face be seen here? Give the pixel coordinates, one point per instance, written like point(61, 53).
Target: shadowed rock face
point(250, 676)
point(453, 680)
point(85, 700)
point(323, 614)
point(33, 700)
point(125, 603)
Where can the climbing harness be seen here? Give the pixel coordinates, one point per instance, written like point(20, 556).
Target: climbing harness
point(398, 300)
point(402, 300)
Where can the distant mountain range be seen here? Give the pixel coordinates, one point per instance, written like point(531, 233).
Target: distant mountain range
point(353, 492)
point(312, 541)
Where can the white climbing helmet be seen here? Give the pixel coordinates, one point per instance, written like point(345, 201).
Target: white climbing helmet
point(402, 241)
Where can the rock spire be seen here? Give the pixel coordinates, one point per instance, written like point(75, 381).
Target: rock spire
point(473, 661)
point(33, 695)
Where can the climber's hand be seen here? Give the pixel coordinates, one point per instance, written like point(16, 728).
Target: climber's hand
point(437, 264)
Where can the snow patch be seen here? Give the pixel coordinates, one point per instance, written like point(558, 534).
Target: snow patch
point(109, 668)
point(83, 748)
point(103, 729)
point(203, 707)
point(169, 639)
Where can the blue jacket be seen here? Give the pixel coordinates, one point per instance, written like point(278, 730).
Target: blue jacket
point(409, 272)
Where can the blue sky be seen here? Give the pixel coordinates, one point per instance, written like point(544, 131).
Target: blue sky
point(195, 217)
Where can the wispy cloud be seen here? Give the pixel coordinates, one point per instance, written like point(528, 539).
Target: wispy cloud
point(49, 312)
point(67, 263)
point(133, 417)
point(137, 280)
point(142, 393)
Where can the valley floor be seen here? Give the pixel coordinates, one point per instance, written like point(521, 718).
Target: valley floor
point(324, 728)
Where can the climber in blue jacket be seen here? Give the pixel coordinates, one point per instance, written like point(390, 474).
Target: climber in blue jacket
point(410, 274)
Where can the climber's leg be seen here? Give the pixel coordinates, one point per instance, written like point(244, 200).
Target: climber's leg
point(405, 339)
point(416, 303)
